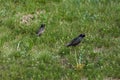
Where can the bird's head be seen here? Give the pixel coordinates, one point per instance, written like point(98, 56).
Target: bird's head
point(82, 35)
point(42, 25)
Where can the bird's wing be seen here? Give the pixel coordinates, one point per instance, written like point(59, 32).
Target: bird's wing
point(77, 40)
point(74, 40)
point(41, 30)
point(71, 42)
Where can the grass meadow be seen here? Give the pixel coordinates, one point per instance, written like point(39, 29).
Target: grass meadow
point(25, 56)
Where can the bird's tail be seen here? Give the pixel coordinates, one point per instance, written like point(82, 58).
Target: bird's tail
point(67, 45)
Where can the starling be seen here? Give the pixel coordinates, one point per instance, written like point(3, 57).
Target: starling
point(41, 29)
point(76, 40)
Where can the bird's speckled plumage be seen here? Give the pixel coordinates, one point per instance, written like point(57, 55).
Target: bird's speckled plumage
point(76, 40)
point(41, 29)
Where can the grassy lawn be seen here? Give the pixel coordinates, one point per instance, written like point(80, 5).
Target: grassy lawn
point(25, 56)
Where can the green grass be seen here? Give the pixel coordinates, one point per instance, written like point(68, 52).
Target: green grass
point(24, 56)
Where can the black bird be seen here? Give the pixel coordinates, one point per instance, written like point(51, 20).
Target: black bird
point(41, 29)
point(76, 40)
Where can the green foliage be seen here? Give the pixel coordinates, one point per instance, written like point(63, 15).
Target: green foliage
point(25, 56)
